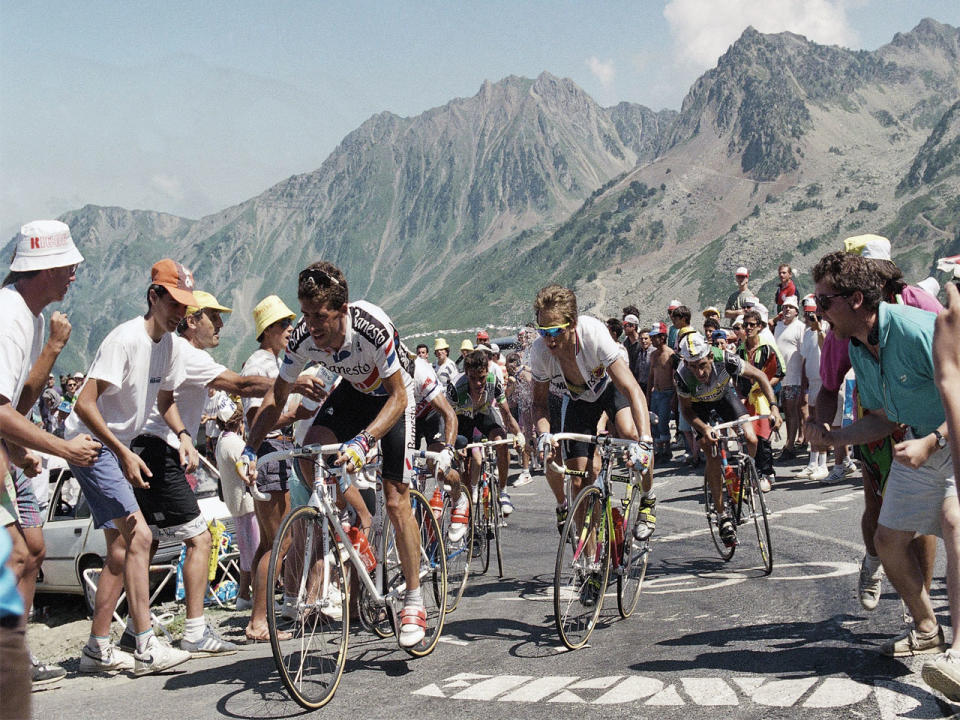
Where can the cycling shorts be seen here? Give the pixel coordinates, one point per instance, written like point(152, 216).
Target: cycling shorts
point(581, 416)
point(347, 412)
point(483, 424)
point(728, 408)
point(429, 428)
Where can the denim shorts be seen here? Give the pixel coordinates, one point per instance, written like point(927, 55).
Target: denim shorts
point(107, 491)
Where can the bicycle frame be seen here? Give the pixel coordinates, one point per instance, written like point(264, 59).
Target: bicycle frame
point(724, 440)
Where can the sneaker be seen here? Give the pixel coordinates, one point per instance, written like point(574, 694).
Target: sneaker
point(523, 478)
point(849, 467)
point(209, 644)
point(819, 473)
point(413, 625)
point(561, 517)
point(505, 505)
point(765, 483)
point(590, 591)
point(244, 604)
point(157, 657)
point(868, 586)
point(43, 673)
point(911, 642)
point(835, 475)
point(114, 660)
point(728, 533)
point(646, 519)
point(943, 674)
point(805, 471)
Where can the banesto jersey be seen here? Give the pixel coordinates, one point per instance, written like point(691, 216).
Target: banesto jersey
point(368, 355)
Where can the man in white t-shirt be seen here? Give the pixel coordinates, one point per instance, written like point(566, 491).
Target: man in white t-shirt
point(789, 335)
point(577, 355)
point(169, 505)
point(43, 267)
point(137, 367)
point(445, 367)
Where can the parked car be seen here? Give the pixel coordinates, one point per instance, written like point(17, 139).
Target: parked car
point(73, 545)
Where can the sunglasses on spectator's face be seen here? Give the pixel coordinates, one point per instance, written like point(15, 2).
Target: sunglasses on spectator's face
point(824, 301)
point(552, 331)
point(284, 323)
point(750, 324)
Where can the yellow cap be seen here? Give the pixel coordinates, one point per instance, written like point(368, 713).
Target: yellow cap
point(268, 311)
point(205, 300)
point(872, 247)
point(440, 344)
point(466, 345)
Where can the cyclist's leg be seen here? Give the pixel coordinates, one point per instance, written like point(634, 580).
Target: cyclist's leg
point(713, 474)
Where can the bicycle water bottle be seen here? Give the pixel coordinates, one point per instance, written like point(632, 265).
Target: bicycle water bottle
point(436, 504)
point(362, 546)
point(617, 536)
point(733, 482)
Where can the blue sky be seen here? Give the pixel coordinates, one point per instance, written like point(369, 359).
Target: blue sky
point(189, 107)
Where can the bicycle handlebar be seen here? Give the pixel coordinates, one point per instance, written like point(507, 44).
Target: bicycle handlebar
point(602, 440)
point(738, 422)
point(508, 440)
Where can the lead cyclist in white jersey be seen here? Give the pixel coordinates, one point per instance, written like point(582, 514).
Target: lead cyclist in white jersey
point(577, 354)
point(374, 402)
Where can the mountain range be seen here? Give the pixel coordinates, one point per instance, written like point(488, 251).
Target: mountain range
point(456, 217)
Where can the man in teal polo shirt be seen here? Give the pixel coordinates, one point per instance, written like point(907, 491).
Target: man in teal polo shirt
point(891, 350)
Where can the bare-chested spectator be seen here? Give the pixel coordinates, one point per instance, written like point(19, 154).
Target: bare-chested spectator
point(661, 392)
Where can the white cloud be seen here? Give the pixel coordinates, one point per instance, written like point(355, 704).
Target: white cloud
point(603, 71)
point(167, 186)
point(702, 30)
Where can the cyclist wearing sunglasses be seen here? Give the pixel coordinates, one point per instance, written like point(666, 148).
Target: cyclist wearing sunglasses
point(705, 385)
point(374, 403)
point(577, 355)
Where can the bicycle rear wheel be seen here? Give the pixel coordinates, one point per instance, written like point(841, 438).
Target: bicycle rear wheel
point(758, 511)
point(306, 554)
point(458, 555)
point(483, 531)
point(713, 520)
point(582, 569)
point(432, 570)
point(633, 564)
point(497, 522)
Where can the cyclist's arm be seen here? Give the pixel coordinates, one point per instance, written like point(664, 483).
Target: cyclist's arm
point(541, 405)
point(627, 384)
point(508, 418)
point(268, 413)
point(445, 409)
point(394, 408)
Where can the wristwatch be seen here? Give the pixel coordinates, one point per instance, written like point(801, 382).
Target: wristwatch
point(185, 432)
point(940, 439)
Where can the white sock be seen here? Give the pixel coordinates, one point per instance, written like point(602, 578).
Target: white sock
point(871, 562)
point(99, 644)
point(814, 459)
point(143, 640)
point(193, 629)
point(413, 597)
point(648, 495)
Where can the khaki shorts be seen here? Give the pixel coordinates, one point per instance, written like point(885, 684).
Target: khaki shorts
point(913, 499)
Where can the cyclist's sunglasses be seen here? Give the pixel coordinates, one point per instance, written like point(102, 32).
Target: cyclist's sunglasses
point(824, 301)
point(321, 278)
point(552, 331)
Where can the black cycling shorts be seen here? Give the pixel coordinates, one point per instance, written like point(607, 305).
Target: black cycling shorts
point(484, 424)
point(581, 416)
point(728, 408)
point(431, 428)
point(347, 412)
point(169, 501)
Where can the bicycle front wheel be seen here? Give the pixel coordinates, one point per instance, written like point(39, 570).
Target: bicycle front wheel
point(432, 570)
point(483, 530)
point(458, 555)
point(758, 511)
point(633, 564)
point(713, 520)
point(497, 523)
point(310, 654)
point(582, 569)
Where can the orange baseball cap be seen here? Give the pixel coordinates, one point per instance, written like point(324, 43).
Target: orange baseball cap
point(176, 279)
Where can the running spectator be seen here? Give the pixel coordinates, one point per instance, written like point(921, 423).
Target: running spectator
point(789, 336)
point(735, 303)
point(136, 368)
point(43, 267)
point(895, 342)
point(943, 672)
point(444, 366)
point(662, 394)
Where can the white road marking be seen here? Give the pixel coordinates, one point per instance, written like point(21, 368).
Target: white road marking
point(908, 698)
point(539, 689)
point(709, 691)
point(596, 683)
point(452, 641)
point(630, 690)
point(489, 689)
point(835, 692)
point(783, 693)
point(667, 696)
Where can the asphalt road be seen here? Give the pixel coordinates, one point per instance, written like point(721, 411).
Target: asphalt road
point(708, 636)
